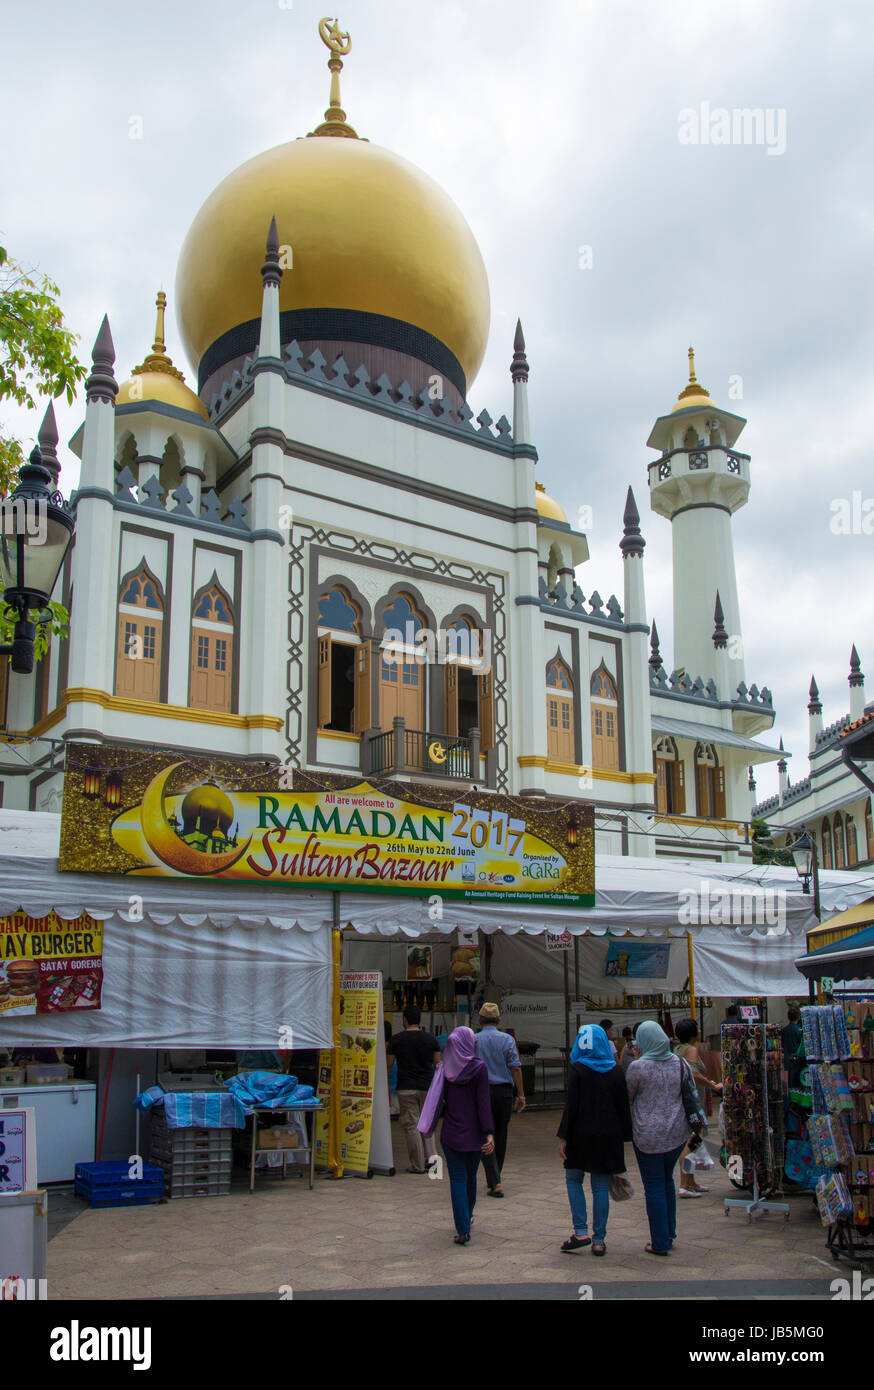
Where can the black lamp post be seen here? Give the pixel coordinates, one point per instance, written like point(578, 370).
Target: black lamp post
point(36, 528)
point(804, 854)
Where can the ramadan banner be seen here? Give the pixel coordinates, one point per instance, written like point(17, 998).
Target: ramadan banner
point(156, 815)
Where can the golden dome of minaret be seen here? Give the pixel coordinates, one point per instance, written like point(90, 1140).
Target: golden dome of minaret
point(693, 394)
point(374, 251)
point(156, 379)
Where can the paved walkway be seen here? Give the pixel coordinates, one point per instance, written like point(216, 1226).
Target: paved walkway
point(385, 1236)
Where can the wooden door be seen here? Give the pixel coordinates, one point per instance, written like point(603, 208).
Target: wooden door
point(138, 663)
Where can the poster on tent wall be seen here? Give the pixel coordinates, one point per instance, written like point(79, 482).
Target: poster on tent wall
point(364, 1113)
point(154, 814)
point(49, 966)
point(638, 960)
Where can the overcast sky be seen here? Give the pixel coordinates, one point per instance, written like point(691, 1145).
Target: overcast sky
point(553, 126)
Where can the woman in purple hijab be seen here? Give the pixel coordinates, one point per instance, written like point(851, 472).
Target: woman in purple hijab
point(460, 1094)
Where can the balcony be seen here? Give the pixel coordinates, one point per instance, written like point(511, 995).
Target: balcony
point(418, 753)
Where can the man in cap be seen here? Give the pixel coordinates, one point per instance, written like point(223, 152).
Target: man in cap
point(498, 1051)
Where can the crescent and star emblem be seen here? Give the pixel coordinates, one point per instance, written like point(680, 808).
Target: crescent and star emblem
point(329, 33)
point(436, 752)
point(163, 840)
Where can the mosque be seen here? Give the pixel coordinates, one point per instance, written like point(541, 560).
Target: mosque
point(314, 554)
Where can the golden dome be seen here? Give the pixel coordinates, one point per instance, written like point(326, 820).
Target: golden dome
point(209, 806)
point(694, 394)
point(547, 507)
point(367, 230)
point(156, 379)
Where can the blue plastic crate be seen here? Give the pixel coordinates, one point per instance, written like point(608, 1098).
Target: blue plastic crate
point(108, 1184)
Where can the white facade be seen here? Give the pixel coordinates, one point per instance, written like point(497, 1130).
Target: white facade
point(310, 481)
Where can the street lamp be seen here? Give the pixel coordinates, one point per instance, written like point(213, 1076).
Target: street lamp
point(803, 852)
point(36, 528)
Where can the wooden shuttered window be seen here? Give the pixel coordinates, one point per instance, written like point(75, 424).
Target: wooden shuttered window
point(363, 689)
point(486, 712)
point(450, 697)
point(324, 681)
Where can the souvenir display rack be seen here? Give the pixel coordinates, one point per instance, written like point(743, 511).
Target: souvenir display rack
point(752, 1070)
point(843, 1090)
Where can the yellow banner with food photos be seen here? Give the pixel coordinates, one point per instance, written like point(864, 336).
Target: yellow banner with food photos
point(224, 819)
point(48, 965)
point(359, 1041)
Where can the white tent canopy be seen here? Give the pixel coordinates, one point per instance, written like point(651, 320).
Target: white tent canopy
point(187, 963)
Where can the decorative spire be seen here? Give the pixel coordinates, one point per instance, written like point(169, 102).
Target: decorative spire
point(48, 442)
point(519, 365)
point(101, 384)
point(694, 387)
point(632, 542)
point(655, 659)
point(157, 360)
point(751, 781)
point(339, 45)
point(720, 636)
point(814, 704)
point(271, 270)
point(855, 676)
point(781, 762)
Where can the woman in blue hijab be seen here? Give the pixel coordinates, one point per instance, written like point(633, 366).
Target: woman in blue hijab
point(594, 1128)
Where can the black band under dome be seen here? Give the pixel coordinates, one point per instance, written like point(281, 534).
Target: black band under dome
point(337, 325)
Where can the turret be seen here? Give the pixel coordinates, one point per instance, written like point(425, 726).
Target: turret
point(856, 679)
point(632, 547)
point(814, 714)
point(519, 375)
point(784, 775)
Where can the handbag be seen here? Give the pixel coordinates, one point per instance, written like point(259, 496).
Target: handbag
point(691, 1103)
point(620, 1187)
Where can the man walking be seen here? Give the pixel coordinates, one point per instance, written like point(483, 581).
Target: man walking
point(416, 1053)
point(498, 1051)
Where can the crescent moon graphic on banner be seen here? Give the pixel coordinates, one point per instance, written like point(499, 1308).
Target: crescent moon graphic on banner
point(163, 840)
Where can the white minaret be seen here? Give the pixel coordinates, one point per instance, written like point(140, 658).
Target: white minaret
point(698, 483)
point(638, 723)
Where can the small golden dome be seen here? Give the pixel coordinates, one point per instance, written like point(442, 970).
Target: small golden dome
point(209, 806)
point(547, 507)
point(156, 379)
point(693, 394)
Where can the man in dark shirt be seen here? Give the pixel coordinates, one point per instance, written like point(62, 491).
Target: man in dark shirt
point(416, 1053)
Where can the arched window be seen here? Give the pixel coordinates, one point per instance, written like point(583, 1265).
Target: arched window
point(826, 846)
point(139, 637)
point(560, 740)
point(555, 563)
point(840, 848)
point(401, 665)
point(211, 682)
point(709, 783)
point(670, 779)
point(869, 830)
point(852, 843)
point(604, 703)
point(344, 665)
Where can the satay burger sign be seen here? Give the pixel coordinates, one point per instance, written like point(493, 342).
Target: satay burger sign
point(216, 818)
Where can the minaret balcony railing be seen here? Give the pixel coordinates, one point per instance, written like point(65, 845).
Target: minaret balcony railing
point(697, 459)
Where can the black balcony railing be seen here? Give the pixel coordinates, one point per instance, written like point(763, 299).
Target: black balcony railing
point(403, 750)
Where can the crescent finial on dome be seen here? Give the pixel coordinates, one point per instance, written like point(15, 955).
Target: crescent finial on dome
point(339, 44)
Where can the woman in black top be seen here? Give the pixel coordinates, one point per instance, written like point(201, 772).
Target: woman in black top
point(594, 1128)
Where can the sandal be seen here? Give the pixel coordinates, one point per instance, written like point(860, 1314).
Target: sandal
point(462, 1240)
point(576, 1243)
point(649, 1250)
point(495, 1192)
point(599, 1248)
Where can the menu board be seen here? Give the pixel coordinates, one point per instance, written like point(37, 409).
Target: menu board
point(360, 1041)
point(48, 965)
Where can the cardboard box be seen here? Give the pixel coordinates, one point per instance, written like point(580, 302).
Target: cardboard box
point(277, 1139)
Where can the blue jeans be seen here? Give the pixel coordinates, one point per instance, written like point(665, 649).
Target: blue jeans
point(463, 1168)
point(657, 1172)
point(600, 1202)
